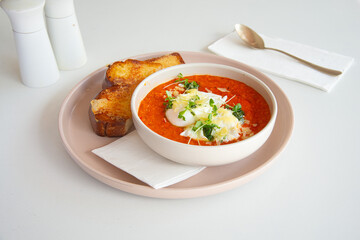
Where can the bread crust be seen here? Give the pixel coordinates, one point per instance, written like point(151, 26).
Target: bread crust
point(129, 72)
point(169, 60)
point(109, 111)
point(133, 71)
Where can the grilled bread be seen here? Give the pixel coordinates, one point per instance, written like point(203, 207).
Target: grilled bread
point(130, 72)
point(134, 71)
point(109, 111)
point(168, 60)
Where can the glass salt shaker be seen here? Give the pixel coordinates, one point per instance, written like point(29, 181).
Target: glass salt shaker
point(64, 33)
point(37, 62)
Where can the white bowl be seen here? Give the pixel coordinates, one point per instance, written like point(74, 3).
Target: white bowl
point(202, 155)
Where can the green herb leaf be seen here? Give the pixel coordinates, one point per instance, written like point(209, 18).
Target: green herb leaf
point(214, 111)
point(237, 107)
point(187, 84)
point(228, 107)
point(238, 112)
point(197, 125)
point(211, 102)
point(239, 115)
point(192, 85)
point(181, 114)
point(169, 100)
point(192, 103)
point(169, 95)
point(214, 107)
point(180, 76)
point(208, 129)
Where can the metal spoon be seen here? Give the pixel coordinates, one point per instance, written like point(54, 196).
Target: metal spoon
point(251, 38)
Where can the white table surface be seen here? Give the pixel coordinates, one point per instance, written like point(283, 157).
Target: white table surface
point(312, 191)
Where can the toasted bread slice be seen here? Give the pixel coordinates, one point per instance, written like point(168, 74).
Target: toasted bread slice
point(134, 71)
point(168, 60)
point(109, 111)
point(129, 72)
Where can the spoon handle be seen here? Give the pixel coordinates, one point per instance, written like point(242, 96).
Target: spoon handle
point(319, 68)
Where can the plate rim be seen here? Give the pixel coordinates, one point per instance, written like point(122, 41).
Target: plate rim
point(169, 192)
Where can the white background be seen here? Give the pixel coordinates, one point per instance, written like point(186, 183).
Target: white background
point(312, 191)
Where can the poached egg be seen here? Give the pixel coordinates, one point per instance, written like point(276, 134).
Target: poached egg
point(193, 106)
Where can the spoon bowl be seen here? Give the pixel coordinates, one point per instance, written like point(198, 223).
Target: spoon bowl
point(249, 36)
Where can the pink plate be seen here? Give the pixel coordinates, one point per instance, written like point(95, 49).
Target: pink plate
point(79, 139)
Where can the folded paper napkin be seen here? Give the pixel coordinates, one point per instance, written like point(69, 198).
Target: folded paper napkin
point(133, 156)
point(231, 46)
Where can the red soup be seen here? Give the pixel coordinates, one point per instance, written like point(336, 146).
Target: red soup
point(255, 108)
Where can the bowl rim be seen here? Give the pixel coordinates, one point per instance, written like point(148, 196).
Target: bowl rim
point(270, 124)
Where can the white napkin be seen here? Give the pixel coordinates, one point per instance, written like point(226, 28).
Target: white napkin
point(231, 46)
point(132, 155)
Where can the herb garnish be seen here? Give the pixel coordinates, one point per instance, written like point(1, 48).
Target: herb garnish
point(207, 131)
point(197, 125)
point(214, 107)
point(237, 112)
point(206, 126)
point(169, 100)
point(188, 85)
point(189, 107)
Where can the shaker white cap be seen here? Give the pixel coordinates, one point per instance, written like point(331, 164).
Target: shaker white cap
point(59, 8)
point(26, 16)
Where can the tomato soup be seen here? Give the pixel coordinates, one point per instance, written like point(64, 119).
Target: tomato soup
point(256, 110)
